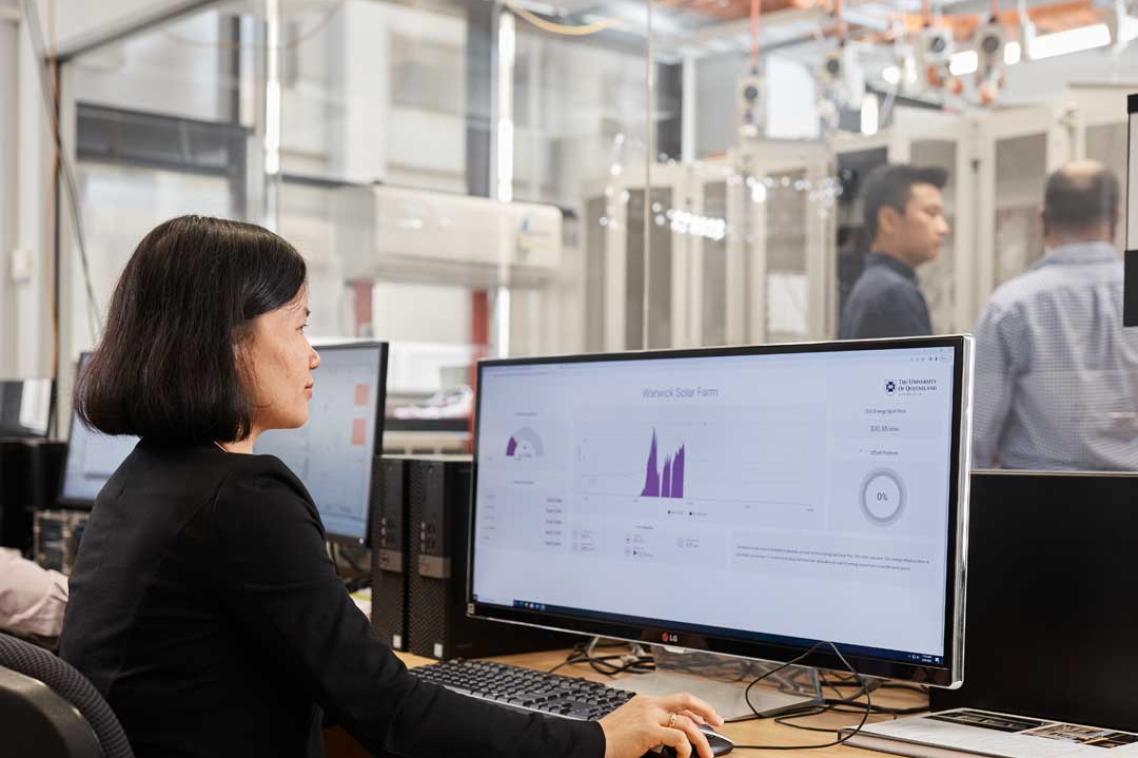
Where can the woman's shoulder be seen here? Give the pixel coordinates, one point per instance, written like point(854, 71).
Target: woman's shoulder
point(259, 490)
point(253, 473)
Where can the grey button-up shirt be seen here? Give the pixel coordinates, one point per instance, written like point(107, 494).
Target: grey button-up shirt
point(1056, 373)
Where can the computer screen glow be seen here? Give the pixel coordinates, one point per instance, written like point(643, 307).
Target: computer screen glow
point(784, 498)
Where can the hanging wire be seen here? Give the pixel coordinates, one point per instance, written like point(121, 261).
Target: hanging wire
point(564, 30)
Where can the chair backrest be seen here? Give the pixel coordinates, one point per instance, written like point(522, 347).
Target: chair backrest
point(87, 706)
point(36, 721)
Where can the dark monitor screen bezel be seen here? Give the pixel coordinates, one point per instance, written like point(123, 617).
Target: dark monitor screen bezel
point(377, 453)
point(947, 674)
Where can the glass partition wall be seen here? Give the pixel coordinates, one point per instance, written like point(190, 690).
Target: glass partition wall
point(470, 178)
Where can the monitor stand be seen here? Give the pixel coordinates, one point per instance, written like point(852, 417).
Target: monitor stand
point(721, 681)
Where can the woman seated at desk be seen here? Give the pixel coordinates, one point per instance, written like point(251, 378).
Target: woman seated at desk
point(203, 604)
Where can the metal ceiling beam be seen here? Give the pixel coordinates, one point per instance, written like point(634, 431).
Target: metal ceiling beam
point(126, 28)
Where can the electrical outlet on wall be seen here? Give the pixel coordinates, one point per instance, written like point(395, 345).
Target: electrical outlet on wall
point(22, 265)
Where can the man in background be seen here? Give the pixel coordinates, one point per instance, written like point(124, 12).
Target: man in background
point(1056, 374)
point(906, 227)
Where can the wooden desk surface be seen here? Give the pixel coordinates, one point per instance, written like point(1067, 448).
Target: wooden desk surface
point(765, 732)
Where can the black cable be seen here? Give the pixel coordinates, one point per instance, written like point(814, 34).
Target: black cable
point(816, 710)
point(360, 580)
point(346, 558)
point(840, 740)
point(641, 664)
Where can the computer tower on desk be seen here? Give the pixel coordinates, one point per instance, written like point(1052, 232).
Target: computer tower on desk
point(1052, 620)
point(390, 554)
point(439, 500)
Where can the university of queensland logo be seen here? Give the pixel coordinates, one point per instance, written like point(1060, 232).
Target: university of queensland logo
point(890, 387)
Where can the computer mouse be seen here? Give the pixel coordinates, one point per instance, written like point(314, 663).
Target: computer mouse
point(720, 745)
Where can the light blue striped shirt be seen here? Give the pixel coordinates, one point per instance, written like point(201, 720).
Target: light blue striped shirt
point(1056, 373)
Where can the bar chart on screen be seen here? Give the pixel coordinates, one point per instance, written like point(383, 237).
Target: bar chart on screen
point(742, 466)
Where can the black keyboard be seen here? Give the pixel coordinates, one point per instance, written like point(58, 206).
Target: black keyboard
point(526, 689)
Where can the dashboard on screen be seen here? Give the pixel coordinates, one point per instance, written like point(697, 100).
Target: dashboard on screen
point(750, 499)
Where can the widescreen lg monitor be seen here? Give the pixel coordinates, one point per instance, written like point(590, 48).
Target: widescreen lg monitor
point(333, 454)
point(747, 501)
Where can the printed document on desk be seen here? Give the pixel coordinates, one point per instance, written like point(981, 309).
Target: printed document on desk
point(970, 732)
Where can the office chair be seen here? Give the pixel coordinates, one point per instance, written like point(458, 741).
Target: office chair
point(48, 709)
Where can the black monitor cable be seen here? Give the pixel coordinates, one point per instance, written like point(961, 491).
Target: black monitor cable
point(608, 665)
point(812, 709)
point(359, 578)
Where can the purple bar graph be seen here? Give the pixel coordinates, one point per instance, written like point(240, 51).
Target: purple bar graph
point(678, 473)
point(511, 448)
point(652, 477)
point(670, 483)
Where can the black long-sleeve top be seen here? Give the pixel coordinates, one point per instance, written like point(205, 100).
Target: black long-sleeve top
point(206, 611)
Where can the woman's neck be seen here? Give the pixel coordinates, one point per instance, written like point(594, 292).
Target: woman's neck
point(244, 446)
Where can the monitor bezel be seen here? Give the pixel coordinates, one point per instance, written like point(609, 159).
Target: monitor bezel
point(948, 675)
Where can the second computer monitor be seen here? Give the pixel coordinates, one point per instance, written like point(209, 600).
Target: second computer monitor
point(748, 501)
point(334, 454)
point(91, 457)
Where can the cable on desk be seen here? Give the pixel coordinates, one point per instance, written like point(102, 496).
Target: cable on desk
point(818, 708)
point(360, 579)
point(603, 664)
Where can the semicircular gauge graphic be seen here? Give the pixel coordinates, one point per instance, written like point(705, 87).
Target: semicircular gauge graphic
point(524, 443)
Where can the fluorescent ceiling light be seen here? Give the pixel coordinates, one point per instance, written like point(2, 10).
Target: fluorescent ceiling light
point(1013, 53)
point(1070, 41)
point(964, 63)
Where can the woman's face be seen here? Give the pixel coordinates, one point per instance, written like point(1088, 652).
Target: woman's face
point(281, 363)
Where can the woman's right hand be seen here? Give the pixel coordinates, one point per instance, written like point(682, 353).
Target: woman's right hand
point(644, 723)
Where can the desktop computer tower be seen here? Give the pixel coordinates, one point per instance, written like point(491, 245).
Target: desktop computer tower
point(30, 471)
point(439, 502)
point(390, 554)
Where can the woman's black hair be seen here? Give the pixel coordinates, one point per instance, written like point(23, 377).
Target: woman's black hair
point(168, 368)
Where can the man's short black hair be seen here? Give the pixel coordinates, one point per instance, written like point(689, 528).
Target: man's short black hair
point(167, 368)
point(1077, 200)
point(891, 185)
